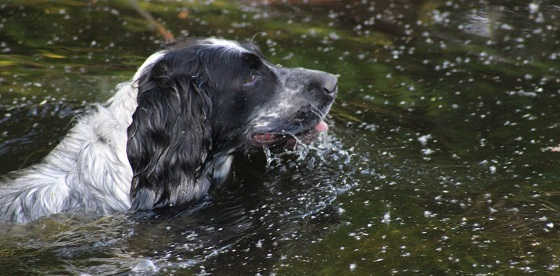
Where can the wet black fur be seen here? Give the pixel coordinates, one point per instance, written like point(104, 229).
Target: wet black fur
point(172, 134)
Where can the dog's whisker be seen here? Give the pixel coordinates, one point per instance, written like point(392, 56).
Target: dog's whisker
point(317, 111)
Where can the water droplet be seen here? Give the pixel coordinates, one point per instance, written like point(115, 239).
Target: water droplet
point(386, 218)
point(144, 266)
point(424, 139)
point(533, 7)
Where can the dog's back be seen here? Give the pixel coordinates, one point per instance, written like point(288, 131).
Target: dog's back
point(87, 171)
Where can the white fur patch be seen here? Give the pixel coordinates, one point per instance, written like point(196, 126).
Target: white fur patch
point(149, 62)
point(228, 44)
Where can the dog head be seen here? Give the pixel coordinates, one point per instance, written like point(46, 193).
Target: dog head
point(202, 101)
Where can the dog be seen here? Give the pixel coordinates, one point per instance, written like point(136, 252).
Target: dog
point(170, 133)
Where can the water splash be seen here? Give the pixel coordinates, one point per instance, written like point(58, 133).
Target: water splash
point(323, 147)
point(319, 172)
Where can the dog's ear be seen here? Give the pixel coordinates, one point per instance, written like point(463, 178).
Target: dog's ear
point(170, 137)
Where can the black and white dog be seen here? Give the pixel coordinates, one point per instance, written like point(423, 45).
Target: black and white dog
point(170, 133)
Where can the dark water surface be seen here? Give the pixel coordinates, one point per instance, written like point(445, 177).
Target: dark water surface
point(441, 157)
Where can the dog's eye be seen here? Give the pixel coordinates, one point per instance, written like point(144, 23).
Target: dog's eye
point(251, 79)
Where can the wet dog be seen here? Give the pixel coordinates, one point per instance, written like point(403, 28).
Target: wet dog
point(170, 133)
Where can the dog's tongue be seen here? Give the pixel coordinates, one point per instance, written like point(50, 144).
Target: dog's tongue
point(321, 126)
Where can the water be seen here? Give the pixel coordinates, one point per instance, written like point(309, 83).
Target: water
point(441, 156)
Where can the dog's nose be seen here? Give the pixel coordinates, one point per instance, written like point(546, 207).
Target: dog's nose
point(330, 83)
point(317, 82)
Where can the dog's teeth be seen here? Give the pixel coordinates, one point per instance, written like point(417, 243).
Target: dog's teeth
point(265, 137)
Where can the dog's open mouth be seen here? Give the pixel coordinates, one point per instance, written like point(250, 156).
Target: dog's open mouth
point(303, 135)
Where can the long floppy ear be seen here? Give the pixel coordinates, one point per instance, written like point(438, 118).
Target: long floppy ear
point(170, 138)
